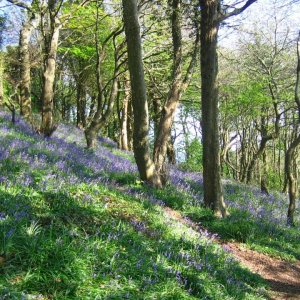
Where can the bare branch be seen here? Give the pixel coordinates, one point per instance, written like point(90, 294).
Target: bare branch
point(20, 4)
point(235, 12)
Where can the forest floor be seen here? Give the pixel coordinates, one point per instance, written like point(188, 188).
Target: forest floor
point(282, 276)
point(78, 224)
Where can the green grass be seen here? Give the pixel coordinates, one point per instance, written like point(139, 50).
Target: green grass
point(88, 243)
point(61, 239)
point(256, 233)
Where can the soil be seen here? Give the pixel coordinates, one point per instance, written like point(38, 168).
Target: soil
point(282, 276)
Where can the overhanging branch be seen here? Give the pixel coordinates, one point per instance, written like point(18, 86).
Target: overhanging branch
point(236, 11)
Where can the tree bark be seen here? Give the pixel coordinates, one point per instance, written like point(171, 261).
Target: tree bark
point(290, 153)
point(265, 138)
point(168, 112)
point(179, 84)
point(124, 118)
point(213, 194)
point(81, 105)
point(139, 99)
point(263, 179)
point(51, 45)
point(100, 120)
point(291, 180)
point(1, 82)
point(105, 109)
point(130, 125)
point(24, 58)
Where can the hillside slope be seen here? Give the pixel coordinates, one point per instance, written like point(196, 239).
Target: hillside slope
point(77, 224)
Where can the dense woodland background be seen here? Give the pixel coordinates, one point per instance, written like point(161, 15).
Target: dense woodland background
point(145, 142)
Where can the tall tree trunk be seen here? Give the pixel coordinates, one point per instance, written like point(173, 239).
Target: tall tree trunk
point(51, 45)
point(179, 84)
point(24, 57)
point(168, 112)
point(290, 153)
point(139, 99)
point(213, 194)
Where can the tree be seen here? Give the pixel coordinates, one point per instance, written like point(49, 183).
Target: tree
point(139, 98)
point(1, 80)
point(291, 151)
point(24, 56)
point(105, 104)
point(50, 26)
point(52, 20)
point(212, 15)
point(179, 83)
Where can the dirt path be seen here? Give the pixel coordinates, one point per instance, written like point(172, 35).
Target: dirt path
point(283, 276)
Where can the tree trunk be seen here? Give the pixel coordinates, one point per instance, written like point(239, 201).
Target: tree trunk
point(263, 180)
point(290, 153)
point(51, 45)
point(291, 180)
point(178, 86)
point(81, 103)
point(124, 118)
point(24, 58)
point(105, 109)
point(171, 151)
point(255, 157)
point(1, 82)
point(265, 138)
point(138, 90)
point(130, 125)
point(168, 112)
point(213, 194)
point(101, 118)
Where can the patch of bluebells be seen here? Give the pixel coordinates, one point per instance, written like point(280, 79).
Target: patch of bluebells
point(64, 153)
point(2, 216)
point(108, 142)
point(185, 182)
point(15, 215)
point(63, 160)
point(261, 206)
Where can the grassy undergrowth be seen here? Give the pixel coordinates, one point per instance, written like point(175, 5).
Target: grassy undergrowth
point(92, 242)
point(258, 233)
point(76, 224)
